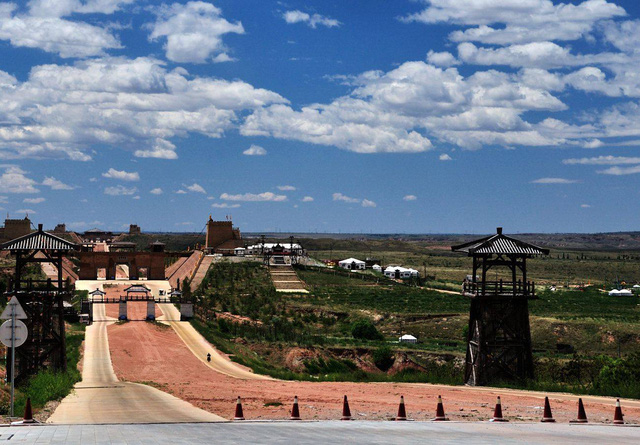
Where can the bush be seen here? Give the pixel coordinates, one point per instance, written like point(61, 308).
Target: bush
point(365, 330)
point(383, 358)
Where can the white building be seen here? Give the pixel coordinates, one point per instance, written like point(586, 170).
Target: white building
point(352, 264)
point(239, 251)
point(259, 249)
point(407, 338)
point(399, 272)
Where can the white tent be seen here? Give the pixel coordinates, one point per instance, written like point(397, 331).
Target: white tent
point(352, 264)
point(400, 272)
point(636, 286)
point(621, 293)
point(377, 267)
point(407, 338)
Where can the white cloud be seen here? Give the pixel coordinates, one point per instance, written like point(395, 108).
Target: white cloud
point(345, 198)
point(286, 188)
point(137, 105)
point(603, 160)
point(194, 32)
point(255, 150)
point(121, 175)
point(225, 205)
point(410, 198)
point(534, 55)
point(554, 181)
point(120, 190)
point(619, 171)
point(520, 21)
point(26, 211)
point(55, 184)
point(181, 192)
point(43, 28)
point(307, 199)
point(368, 203)
point(585, 206)
point(156, 191)
point(33, 200)
point(445, 157)
point(252, 197)
point(160, 149)
point(14, 180)
point(312, 20)
point(443, 59)
point(399, 111)
point(61, 8)
point(196, 188)
point(137, 197)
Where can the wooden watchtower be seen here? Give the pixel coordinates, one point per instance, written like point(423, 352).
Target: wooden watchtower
point(42, 301)
point(499, 338)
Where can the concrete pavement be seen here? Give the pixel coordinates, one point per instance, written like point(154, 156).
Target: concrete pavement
point(100, 398)
point(324, 432)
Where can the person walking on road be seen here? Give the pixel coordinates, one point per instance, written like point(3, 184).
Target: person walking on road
point(209, 357)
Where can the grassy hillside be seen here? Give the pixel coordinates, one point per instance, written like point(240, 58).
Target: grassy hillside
point(313, 336)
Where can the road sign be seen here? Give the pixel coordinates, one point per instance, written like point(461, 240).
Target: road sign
point(6, 333)
point(13, 307)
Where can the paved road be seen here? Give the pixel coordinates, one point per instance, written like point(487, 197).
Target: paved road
point(200, 347)
point(100, 398)
point(325, 432)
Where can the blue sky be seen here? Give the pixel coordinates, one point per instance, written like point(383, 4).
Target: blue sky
point(409, 116)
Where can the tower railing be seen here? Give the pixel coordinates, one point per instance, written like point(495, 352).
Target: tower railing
point(499, 288)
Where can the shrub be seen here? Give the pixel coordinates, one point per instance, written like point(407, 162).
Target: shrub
point(365, 330)
point(383, 358)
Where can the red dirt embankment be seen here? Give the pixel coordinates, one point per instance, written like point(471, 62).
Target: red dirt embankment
point(143, 352)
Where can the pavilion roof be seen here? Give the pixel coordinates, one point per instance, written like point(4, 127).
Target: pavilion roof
point(499, 244)
point(39, 240)
point(138, 288)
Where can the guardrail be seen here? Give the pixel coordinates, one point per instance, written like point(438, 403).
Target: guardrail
point(500, 288)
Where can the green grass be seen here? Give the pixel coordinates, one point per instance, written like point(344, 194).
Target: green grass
point(393, 299)
point(590, 303)
point(49, 385)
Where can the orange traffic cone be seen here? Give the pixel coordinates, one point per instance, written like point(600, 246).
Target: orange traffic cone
point(497, 413)
point(582, 416)
point(402, 412)
point(28, 412)
point(295, 411)
point(28, 415)
point(239, 414)
point(440, 411)
point(617, 417)
point(547, 416)
point(346, 412)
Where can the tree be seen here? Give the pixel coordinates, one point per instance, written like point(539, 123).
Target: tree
point(186, 289)
point(365, 330)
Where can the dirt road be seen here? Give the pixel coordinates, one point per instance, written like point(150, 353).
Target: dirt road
point(200, 347)
point(100, 398)
point(143, 351)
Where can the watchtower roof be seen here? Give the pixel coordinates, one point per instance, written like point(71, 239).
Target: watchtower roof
point(39, 240)
point(499, 244)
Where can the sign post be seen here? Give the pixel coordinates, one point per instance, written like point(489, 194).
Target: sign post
point(13, 333)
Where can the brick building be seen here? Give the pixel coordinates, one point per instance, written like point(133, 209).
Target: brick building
point(15, 228)
point(222, 237)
